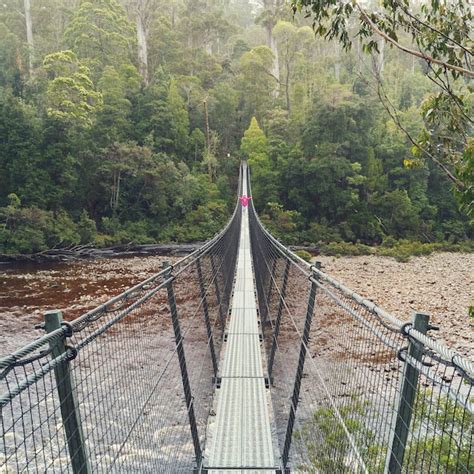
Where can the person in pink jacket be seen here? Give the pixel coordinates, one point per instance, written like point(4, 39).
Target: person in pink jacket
point(244, 200)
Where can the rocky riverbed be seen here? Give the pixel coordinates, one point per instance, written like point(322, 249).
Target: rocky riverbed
point(440, 284)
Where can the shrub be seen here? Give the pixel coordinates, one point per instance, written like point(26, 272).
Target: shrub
point(30, 230)
point(60, 230)
point(400, 250)
point(304, 255)
point(202, 223)
point(345, 248)
point(389, 242)
point(86, 228)
point(322, 233)
point(327, 444)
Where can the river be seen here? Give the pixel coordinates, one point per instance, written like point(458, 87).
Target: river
point(28, 290)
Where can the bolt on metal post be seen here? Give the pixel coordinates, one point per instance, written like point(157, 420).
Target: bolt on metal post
point(406, 400)
point(67, 398)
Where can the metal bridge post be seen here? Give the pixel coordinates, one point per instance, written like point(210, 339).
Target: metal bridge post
point(276, 331)
point(270, 285)
point(218, 294)
point(299, 374)
point(205, 309)
point(261, 291)
point(406, 401)
point(67, 398)
point(182, 362)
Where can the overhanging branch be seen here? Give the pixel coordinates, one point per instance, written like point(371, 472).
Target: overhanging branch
point(430, 59)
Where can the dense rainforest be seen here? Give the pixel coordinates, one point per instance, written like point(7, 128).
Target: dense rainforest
point(126, 121)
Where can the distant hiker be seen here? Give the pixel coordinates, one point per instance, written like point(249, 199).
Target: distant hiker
point(244, 200)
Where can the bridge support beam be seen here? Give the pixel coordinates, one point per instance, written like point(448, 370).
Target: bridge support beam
point(272, 276)
point(406, 401)
point(168, 278)
point(270, 288)
point(299, 374)
point(67, 398)
point(276, 330)
point(218, 295)
point(205, 309)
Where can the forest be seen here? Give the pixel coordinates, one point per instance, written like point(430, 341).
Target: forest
point(125, 121)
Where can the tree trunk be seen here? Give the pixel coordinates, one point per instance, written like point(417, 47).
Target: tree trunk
point(142, 44)
point(271, 7)
point(29, 35)
point(359, 58)
point(273, 46)
point(118, 190)
point(381, 55)
point(208, 132)
point(337, 63)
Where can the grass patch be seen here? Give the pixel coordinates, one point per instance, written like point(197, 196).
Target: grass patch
point(400, 250)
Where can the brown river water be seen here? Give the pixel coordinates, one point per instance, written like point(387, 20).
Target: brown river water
point(28, 290)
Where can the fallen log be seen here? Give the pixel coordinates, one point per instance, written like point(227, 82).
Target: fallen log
point(310, 249)
point(85, 252)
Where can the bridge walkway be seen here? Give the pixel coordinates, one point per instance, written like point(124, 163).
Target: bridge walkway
point(242, 434)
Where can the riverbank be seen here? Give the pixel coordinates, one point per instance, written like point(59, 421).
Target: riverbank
point(440, 284)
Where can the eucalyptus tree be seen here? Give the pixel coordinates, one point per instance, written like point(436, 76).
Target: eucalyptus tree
point(145, 13)
point(290, 40)
point(18, 20)
point(440, 36)
point(101, 35)
point(29, 35)
point(72, 97)
point(271, 13)
point(256, 82)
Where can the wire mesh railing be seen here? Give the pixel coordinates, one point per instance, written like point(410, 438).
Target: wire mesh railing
point(353, 388)
point(128, 386)
point(112, 390)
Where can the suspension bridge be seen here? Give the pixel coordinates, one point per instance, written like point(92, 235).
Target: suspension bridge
point(241, 357)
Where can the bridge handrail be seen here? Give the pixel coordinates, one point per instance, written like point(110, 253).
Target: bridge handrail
point(405, 327)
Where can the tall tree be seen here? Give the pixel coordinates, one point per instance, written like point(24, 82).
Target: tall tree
point(272, 11)
point(71, 94)
point(257, 81)
point(29, 35)
point(143, 11)
point(290, 40)
point(440, 35)
point(101, 35)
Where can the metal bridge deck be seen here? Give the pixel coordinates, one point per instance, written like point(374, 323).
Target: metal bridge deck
point(242, 433)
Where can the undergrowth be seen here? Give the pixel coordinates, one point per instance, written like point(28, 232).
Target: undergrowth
point(400, 250)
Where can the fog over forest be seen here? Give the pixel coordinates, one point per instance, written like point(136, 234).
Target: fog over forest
point(126, 121)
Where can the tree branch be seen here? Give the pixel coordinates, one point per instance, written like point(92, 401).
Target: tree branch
point(432, 28)
point(395, 117)
point(270, 74)
point(430, 59)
